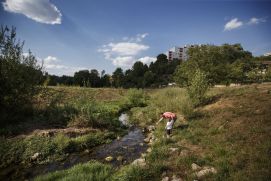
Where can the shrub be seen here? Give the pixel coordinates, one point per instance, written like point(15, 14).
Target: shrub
point(197, 88)
point(62, 142)
point(95, 114)
point(134, 98)
point(19, 76)
point(187, 108)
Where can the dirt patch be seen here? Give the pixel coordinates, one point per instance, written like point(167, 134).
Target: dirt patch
point(71, 132)
point(221, 104)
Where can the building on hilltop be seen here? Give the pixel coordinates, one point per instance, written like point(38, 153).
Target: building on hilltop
point(179, 53)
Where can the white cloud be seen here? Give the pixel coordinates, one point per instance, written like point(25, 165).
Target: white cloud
point(137, 38)
point(53, 66)
point(124, 53)
point(233, 24)
point(140, 37)
point(42, 11)
point(125, 61)
point(147, 60)
point(267, 54)
point(254, 20)
point(126, 48)
point(51, 59)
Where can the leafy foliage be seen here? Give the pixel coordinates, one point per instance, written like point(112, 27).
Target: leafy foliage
point(19, 77)
point(198, 87)
point(222, 64)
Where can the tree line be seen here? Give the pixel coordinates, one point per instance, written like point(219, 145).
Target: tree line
point(223, 64)
point(141, 75)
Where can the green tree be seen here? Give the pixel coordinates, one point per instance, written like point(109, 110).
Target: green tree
point(19, 76)
point(149, 79)
point(198, 86)
point(105, 80)
point(81, 78)
point(118, 77)
point(94, 78)
point(216, 61)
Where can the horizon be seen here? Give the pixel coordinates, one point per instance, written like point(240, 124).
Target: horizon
point(104, 35)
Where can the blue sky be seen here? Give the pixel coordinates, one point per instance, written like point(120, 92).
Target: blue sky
point(71, 35)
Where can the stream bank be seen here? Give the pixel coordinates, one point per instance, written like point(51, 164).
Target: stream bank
point(121, 151)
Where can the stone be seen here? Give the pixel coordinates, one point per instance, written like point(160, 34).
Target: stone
point(86, 151)
point(165, 179)
point(164, 174)
point(149, 150)
point(109, 158)
point(143, 155)
point(195, 167)
point(258, 111)
point(120, 158)
point(151, 128)
point(147, 140)
point(144, 130)
point(175, 178)
point(35, 156)
point(172, 150)
point(205, 171)
point(141, 144)
point(184, 153)
point(139, 162)
point(118, 138)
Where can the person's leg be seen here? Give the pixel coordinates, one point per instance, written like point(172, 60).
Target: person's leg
point(168, 133)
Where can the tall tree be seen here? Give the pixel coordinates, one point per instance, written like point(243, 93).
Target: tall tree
point(118, 77)
point(81, 78)
point(94, 78)
point(19, 76)
point(217, 62)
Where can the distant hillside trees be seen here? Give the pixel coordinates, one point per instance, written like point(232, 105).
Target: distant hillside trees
point(222, 65)
point(19, 76)
point(157, 74)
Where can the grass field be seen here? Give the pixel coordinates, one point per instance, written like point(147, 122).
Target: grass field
point(230, 132)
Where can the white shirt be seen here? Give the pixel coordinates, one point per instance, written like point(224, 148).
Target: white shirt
point(169, 124)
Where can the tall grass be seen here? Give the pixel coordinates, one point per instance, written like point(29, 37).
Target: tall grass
point(162, 100)
point(92, 171)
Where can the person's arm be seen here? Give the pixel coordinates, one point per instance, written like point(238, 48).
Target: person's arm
point(160, 120)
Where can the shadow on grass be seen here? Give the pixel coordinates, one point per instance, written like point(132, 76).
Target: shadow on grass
point(182, 126)
point(209, 100)
point(48, 118)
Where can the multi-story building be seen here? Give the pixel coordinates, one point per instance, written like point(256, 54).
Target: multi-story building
point(179, 53)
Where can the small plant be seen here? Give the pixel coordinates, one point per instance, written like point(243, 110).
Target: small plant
point(62, 142)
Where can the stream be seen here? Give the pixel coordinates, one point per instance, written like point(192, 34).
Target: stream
point(123, 151)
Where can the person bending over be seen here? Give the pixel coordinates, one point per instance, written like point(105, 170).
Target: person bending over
point(171, 120)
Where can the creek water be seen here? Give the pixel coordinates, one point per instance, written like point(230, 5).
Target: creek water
point(126, 149)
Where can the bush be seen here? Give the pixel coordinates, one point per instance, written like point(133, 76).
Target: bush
point(62, 142)
point(19, 76)
point(134, 98)
point(95, 114)
point(197, 88)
